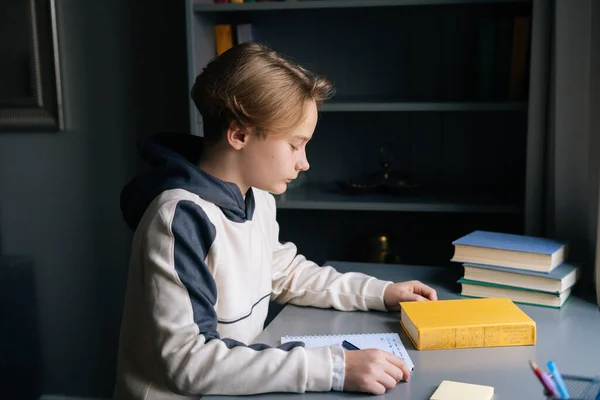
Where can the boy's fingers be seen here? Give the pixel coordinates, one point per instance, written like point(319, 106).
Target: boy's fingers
point(387, 380)
point(395, 372)
point(394, 359)
point(418, 297)
point(399, 363)
point(426, 291)
point(405, 372)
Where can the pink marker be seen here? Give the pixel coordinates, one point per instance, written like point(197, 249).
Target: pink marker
point(547, 382)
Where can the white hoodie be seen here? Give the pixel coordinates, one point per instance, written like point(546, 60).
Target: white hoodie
point(205, 262)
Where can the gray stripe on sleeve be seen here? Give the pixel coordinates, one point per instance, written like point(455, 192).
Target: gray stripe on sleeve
point(194, 235)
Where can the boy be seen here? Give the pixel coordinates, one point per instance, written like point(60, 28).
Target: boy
point(206, 257)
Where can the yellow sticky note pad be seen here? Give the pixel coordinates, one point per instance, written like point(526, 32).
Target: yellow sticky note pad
point(450, 390)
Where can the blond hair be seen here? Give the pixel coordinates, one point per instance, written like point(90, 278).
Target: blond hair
point(257, 88)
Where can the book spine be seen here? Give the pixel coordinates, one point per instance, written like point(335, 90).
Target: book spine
point(223, 38)
point(518, 66)
point(486, 41)
point(488, 336)
point(244, 33)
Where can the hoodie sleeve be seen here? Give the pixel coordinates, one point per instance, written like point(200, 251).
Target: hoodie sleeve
point(180, 294)
point(299, 281)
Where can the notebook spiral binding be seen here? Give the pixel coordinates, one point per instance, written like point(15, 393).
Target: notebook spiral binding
point(329, 335)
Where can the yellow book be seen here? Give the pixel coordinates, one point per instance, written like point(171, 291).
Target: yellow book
point(223, 38)
point(450, 390)
point(463, 323)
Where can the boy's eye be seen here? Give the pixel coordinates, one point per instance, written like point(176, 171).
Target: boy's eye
point(293, 147)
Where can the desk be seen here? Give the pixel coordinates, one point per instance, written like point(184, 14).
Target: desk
point(570, 336)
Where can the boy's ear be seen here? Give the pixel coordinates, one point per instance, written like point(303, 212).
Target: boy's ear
point(236, 136)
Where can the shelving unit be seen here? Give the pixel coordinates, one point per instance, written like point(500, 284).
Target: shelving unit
point(320, 4)
point(339, 105)
point(329, 198)
point(418, 75)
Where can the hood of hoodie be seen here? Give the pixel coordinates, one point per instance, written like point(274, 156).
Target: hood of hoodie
point(173, 165)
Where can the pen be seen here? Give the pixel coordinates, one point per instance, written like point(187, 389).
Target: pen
point(544, 379)
point(560, 383)
point(349, 346)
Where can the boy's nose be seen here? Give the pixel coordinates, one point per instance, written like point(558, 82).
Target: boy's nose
point(302, 165)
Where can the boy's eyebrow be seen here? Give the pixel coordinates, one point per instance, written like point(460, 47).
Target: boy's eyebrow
point(303, 138)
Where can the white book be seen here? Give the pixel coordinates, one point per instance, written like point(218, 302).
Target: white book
point(244, 33)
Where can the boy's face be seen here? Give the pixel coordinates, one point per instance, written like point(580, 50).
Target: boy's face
point(271, 163)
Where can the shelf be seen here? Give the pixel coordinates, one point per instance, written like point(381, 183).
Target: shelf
point(330, 198)
point(342, 106)
point(317, 4)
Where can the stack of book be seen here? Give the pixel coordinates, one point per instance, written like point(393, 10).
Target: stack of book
point(525, 269)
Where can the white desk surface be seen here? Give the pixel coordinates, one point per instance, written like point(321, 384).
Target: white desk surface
point(570, 336)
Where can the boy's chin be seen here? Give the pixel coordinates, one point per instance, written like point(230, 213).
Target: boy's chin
point(280, 189)
point(276, 189)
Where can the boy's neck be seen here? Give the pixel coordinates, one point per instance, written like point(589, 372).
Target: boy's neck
point(223, 165)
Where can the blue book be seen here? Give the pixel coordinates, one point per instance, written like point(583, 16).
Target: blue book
point(509, 250)
point(558, 280)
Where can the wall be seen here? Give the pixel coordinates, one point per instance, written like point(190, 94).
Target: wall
point(123, 71)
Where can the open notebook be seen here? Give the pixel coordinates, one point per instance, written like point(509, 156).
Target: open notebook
point(389, 342)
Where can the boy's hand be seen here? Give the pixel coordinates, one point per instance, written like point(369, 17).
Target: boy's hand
point(373, 371)
point(407, 291)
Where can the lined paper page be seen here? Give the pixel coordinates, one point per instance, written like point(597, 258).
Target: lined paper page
point(389, 342)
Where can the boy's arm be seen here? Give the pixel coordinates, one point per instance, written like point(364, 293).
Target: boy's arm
point(299, 281)
point(180, 294)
